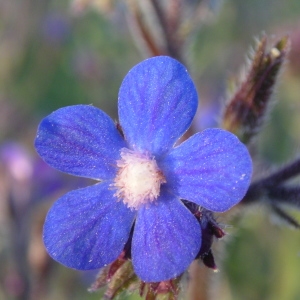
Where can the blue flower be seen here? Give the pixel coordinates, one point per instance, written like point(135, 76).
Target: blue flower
point(142, 175)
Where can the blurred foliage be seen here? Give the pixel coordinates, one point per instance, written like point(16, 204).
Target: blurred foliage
point(53, 54)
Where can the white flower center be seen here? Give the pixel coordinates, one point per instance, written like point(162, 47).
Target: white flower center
point(138, 179)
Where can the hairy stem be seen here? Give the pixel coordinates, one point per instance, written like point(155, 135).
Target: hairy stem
point(170, 35)
point(268, 185)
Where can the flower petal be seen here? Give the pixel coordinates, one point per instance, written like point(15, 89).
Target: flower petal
point(80, 140)
point(212, 169)
point(87, 228)
point(166, 239)
point(157, 102)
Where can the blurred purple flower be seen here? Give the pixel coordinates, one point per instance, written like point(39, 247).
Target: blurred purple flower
point(143, 177)
point(16, 173)
point(55, 29)
point(17, 161)
point(29, 178)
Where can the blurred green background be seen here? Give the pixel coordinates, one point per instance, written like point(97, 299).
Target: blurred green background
point(58, 53)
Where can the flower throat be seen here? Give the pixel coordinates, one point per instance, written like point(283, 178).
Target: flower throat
point(138, 178)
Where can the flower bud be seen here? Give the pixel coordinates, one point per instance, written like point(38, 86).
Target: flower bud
point(246, 108)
